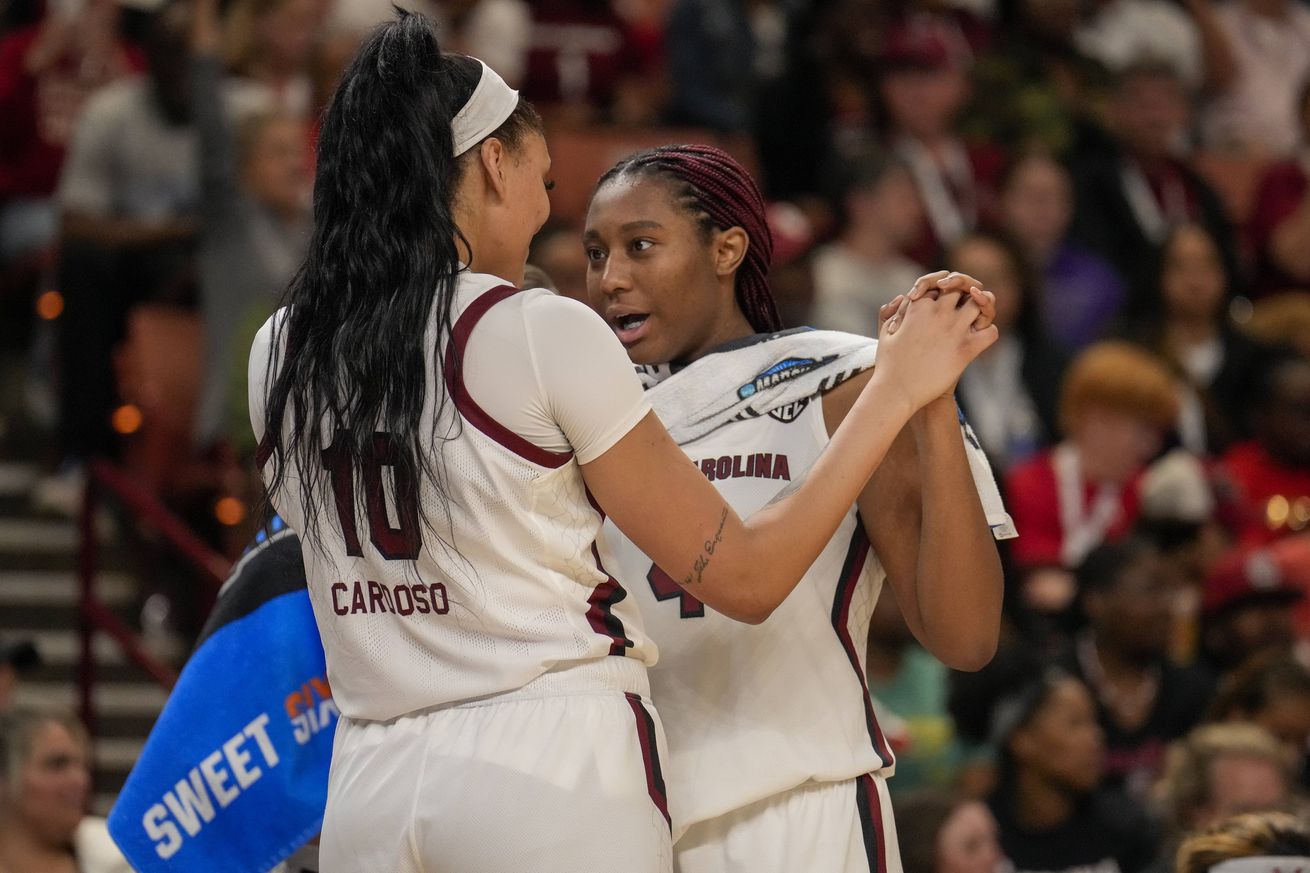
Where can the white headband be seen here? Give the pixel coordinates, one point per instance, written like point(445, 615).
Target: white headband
point(487, 108)
point(1264, 864)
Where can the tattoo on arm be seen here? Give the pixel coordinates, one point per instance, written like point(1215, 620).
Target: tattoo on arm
point(703, 560)
point(791, 488)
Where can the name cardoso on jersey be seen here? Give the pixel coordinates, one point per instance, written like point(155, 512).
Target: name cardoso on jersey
point(368, 596)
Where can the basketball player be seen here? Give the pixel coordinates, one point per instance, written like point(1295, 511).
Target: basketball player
point(777, 763)
point(447, 447)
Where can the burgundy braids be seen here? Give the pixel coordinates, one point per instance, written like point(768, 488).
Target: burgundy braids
point(718, 191)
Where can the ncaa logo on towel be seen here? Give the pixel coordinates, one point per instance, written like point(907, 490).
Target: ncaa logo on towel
point(779, 373)
point(789, 412)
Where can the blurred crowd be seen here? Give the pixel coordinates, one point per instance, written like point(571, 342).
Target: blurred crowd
point(1131, 178)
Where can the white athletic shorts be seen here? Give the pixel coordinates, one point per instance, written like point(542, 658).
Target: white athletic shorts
point(819, 827)
point(561, 776)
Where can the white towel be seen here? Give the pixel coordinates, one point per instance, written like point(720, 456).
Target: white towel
point(784, 370)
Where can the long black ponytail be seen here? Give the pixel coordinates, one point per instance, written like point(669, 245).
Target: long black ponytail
point(350, 359)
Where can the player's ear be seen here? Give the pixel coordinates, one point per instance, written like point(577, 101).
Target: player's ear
point(730, 247)
point(493, 157)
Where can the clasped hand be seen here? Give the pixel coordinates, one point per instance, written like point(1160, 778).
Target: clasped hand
point(928, 336)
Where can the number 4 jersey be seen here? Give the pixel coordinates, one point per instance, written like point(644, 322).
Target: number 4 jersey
point(753, 711)
point(504, 579)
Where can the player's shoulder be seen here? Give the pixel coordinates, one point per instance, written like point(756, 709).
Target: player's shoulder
point(543, 299)
point(272, 332)
point(540, 301)
point(548, 315)
point(271, 327)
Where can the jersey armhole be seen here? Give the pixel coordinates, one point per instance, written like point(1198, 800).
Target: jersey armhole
point(452, 374)
point(616, 434)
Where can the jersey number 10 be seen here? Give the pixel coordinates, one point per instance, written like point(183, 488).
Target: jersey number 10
point(399, 543)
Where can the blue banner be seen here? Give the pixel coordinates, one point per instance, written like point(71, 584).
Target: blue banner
point(234, 775)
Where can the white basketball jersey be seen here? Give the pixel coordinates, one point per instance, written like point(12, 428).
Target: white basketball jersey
point(512, 584)
point(755, 710)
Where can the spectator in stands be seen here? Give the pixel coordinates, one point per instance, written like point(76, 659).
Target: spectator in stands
point(45, 782)
point(1178, 517)
point(954, 19)
point(1186, 322)
point(1248, 607)
point(1280, 219)
point(1273, 693)
point(1116, 405)
point(848, 45)
point(269, 44)
point(1282, 320)
point(946, 833)
point(924, 88)
point(1219, 771)
point(1051, 811)
point(581, 59)
point(557, 249)
point(1143, 701)
point(863, 268)
point(1259, 61)
point(1034, 88)
point(1121, 33)
point(497, 31)
point(753, 68)
point(16, 657)
point(718, 56)
point(357, 17)
point(256, 219)
point(1011, 392)
point(1256, 835)
point(1266, 480)
point(129, 201)
point(47, 71)
point(1081, 292)
point(1131, 196)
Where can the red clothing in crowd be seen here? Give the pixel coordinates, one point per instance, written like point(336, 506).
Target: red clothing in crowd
point(39, 112)
point(1282, 191)
point(1262, 496)
point(1032, 495)
point(579, 53)
point(975, 198)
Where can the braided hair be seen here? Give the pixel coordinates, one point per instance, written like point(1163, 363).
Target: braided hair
point(712, 187)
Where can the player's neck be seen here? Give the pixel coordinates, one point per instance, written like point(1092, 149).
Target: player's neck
point(502, 268)
point(481, 239)
point(484, 254)
point(733, 326)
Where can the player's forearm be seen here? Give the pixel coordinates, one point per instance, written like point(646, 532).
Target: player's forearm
point(958, 581)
